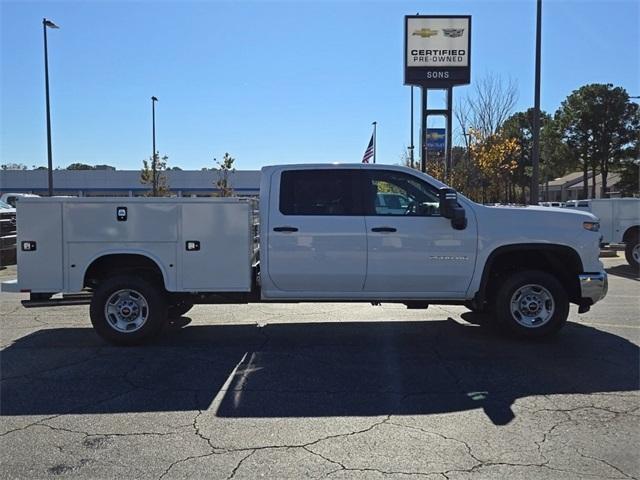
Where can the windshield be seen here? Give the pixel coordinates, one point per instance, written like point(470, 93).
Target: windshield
point(5, 205)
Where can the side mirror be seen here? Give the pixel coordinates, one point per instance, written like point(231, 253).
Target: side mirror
point(450, 209)
point(448, 201)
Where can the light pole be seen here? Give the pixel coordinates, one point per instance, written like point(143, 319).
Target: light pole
point(535, 154)
point(153, 158)
point(48, 23)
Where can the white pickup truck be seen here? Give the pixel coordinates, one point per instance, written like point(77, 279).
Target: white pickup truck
point(619, 223)
point(324, 236)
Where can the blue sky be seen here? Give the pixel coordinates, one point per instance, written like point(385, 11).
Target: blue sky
point(270, 82)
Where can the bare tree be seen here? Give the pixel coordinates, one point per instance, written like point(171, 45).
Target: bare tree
point(225, 167)
point(156, 179)
point(462, 113)
point(490, 103)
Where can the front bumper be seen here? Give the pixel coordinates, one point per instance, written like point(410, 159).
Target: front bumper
point(10, 286)
point(593, 287)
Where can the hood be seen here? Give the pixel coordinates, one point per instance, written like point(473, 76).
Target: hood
point(553, 212)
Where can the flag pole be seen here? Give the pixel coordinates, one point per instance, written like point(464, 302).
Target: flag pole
point(374, 141)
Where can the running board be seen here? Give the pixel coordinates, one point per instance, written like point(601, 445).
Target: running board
point(66, 300)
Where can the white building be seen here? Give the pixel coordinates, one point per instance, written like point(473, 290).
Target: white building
point(570, 187)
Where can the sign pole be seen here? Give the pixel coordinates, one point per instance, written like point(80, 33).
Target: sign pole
point(423, 130)
point(411, 144)
point(448, 165)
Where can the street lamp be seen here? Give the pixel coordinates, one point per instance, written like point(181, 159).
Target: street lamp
point(535, 151)
point(48, 23)
point(153, 158)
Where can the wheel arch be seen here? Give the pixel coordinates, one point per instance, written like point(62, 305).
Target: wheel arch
point(631, 233)
point(113, 262)
point(539, 256)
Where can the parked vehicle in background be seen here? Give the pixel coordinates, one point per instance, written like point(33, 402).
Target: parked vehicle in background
point(551, 204)
point(392, 203)
point(579, 204)
point(12, 198)
point(324, 237)
point(7, 234)
point(619, 224)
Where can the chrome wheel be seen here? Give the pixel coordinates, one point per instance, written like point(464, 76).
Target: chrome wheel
point(532, 306)
point(126, 311)
point(635, 253)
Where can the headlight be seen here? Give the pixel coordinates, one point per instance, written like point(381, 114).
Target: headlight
point(591, 226)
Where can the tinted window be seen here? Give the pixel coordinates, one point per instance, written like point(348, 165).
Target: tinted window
point(397, 193)
point(319, 192)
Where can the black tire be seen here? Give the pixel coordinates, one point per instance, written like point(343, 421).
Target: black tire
point(546, 291)
point(471, 306)
point(177, 309)
point(146, 297)
point(630, 245)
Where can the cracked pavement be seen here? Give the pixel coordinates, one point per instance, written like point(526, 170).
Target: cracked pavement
point(337, 391)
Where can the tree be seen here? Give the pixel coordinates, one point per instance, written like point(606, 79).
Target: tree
point(555, 158)
point(13, 166)
point(496, 158)
point(599, 123)
point(480, 116)
point(487, 107)
point(224, 168)
point(156, 179)
point(629, 184)
point(80, 166)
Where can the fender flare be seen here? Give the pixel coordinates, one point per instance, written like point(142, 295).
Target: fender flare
point(481, 296)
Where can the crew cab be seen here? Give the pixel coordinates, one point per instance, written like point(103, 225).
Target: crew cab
point(321, 234)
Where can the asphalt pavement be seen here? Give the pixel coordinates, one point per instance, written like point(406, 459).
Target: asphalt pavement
point(335, 391)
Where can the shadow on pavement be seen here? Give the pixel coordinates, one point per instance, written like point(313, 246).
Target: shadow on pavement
point(626, 271)
point(310, 370)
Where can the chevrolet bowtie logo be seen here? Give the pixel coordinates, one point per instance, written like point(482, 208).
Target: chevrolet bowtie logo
point(425, 32)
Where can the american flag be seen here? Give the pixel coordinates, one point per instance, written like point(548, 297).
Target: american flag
point(368, 153)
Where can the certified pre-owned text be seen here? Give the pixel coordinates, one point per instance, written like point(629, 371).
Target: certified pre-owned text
point(438, 55)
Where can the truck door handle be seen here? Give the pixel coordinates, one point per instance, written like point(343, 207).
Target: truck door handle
point(384, 229)
point(285, 229)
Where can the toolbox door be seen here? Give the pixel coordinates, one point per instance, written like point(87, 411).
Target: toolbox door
point(215, 247)
point(40, 252)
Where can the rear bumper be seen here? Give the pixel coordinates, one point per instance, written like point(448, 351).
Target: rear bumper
point(593, 287)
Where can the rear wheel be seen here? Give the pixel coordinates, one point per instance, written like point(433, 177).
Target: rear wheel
point(532, 304)
point(127, 310)
point(632, 252)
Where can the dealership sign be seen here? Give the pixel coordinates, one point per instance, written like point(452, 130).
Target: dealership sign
point(436, 140)
point(437, 50)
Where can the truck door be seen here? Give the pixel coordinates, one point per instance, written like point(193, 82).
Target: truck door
point(316, 233)
point(412, 249)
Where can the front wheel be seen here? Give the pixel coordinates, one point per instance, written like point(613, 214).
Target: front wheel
point(532, 304)
point(632, 252)
point(127, 310)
